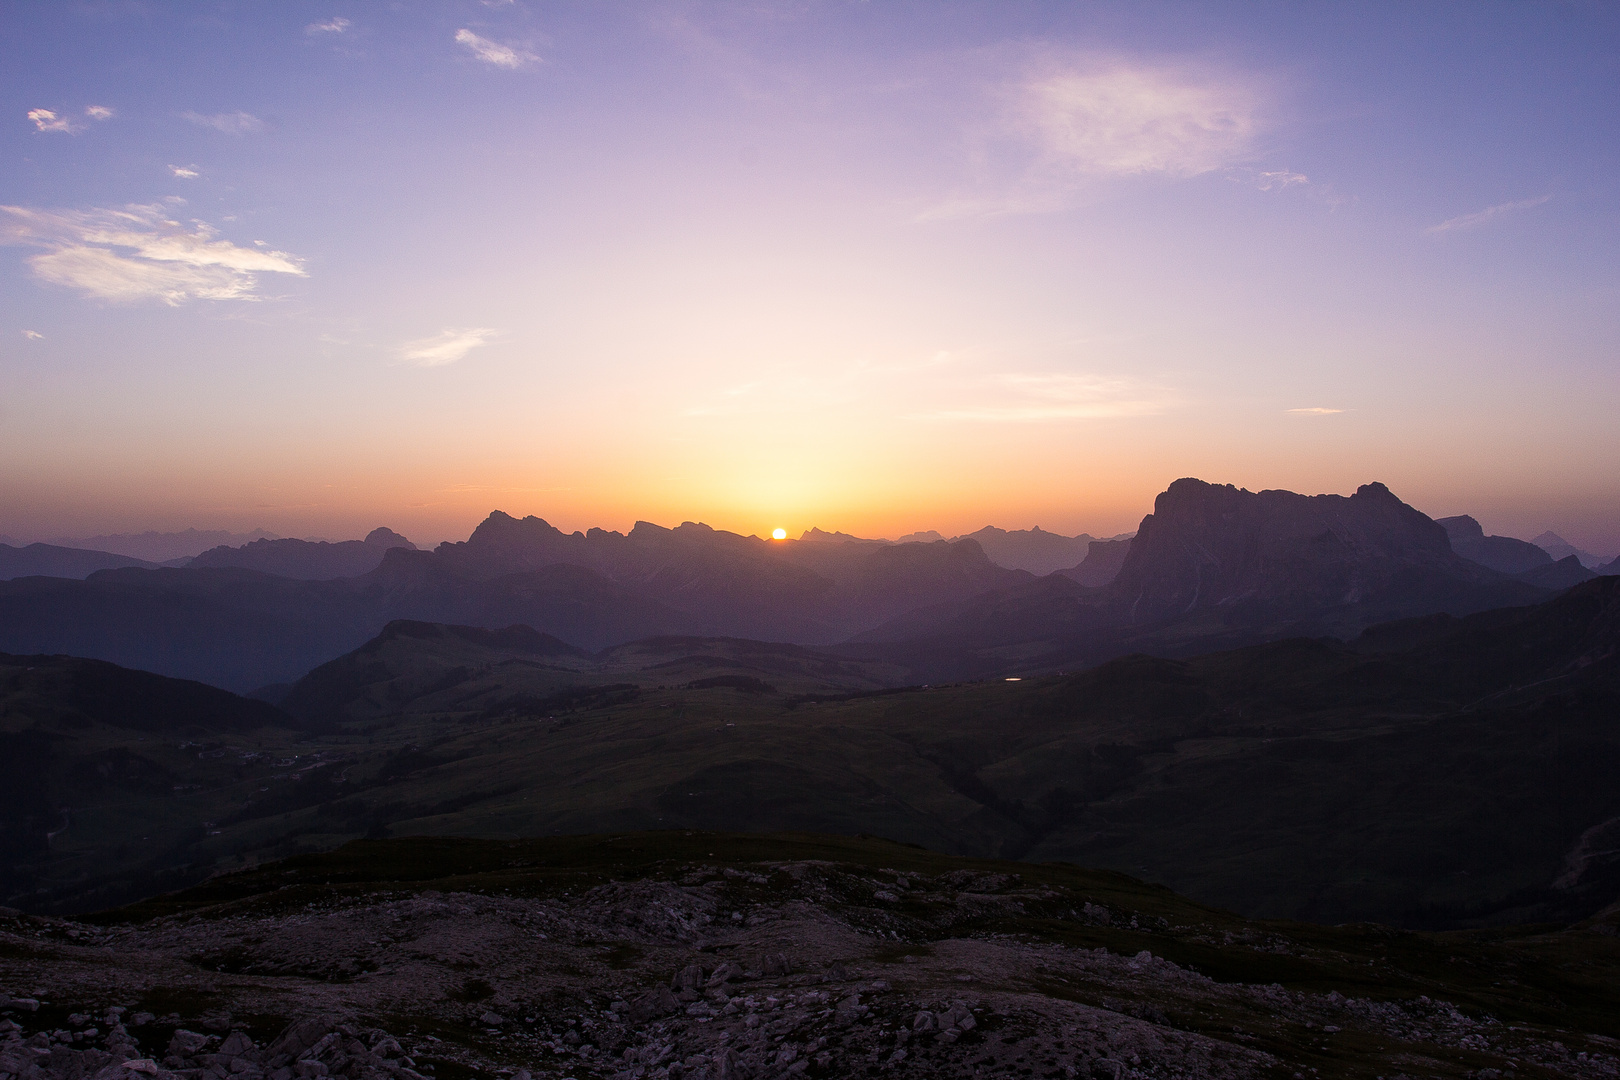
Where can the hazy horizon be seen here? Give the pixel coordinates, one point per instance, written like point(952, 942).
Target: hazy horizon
point(878, 269)
point(425, 542)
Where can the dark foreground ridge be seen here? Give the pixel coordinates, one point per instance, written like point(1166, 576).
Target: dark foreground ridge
point(700, 956)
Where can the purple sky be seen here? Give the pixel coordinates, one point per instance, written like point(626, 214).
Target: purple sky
point(868, 266)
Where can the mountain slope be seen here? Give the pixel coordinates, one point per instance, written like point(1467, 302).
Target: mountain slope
point(1501, 553)
point(48, 560)
point(1102, 563)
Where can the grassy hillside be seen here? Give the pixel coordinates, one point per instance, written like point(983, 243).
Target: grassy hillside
point(1440, 772)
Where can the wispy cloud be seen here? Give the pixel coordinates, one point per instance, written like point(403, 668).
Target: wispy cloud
point(1315, 410)
point(445, 348)
point(98, 112)
point(139, 253)
point(1068, 122)
point(33, 335)
point(1121, 119)
point(184, 172)
point(1490, 213)
point(1280, 179)
point(1037, 398)
point(47, 120)
point(233, 123)
point(493, 52)
point(331, 26)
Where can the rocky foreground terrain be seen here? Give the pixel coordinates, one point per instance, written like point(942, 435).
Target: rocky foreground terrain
point(703, 957)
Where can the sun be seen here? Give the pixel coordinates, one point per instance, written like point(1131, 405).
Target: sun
point(778, 534)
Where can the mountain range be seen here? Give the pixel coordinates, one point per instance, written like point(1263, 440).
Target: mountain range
point(307, 560)
point(1214, 566)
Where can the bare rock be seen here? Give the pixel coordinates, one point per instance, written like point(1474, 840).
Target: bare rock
point(651, 1005)
point(186, 1043)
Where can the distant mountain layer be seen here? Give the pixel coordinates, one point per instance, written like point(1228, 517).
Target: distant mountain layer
point(1559, 548)
point(48, 560)
point(1103, 561)
point(164, 547)
point(1033, 550)
point(1212, 567)
point(1501, 553)
point(308, 560)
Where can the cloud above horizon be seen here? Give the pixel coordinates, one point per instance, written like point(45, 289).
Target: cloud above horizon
point(139, 253)
point(1490, 213)
point(47, 120)
point(445, 348)
point(232, 123)
point(492, 52)
point(1315, 411)
point(1021, 398)
point(1115, 118)
point(331, 26)
point(1068, 123)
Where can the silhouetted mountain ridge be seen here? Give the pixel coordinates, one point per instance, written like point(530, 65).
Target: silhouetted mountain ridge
point(49, 560)
point(308, 560)
point(1212, 567)
point(1500, 553)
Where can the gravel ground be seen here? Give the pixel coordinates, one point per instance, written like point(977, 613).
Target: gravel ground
point(703, 975)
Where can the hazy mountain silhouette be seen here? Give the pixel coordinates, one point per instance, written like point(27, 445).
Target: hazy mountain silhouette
point(1036, 550)
point(1559, 548)
point(1102, 563)
point(167, 548)
point(1562, 574)
point(818, 536)
point(1501, 553)
point(48, 560)
point(308, 560)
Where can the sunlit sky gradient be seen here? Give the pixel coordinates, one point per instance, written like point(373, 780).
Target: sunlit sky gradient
point(871, 266)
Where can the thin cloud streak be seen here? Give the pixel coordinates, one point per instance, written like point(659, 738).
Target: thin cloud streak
point(492, 52)
point(1315, 411)
point(446, 348)
point(1279, 180)
point(1041, 398)
point(184, 172)
point(1490, 213)
point(331, 26)
point(234, 123)
point(139, 253)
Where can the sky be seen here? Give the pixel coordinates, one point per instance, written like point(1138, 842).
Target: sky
point(863, 265)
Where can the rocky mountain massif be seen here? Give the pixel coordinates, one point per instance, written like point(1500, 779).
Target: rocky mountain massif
point(700, 956)
point(1212, 567)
